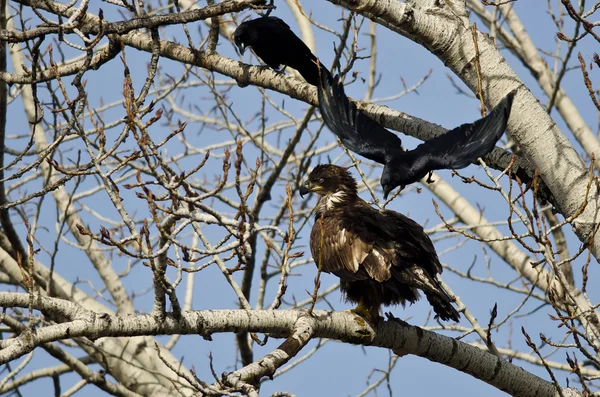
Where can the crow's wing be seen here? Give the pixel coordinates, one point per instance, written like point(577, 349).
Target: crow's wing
point(275, 23)
point(357, 132)
point(276, 44)
point(294, 51)
point(306, 65)
point(459, 147)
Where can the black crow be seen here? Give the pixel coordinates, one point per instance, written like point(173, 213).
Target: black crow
point(274, 42)
point(453, 150)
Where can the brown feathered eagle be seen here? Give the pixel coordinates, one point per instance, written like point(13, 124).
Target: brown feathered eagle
point(381, 257)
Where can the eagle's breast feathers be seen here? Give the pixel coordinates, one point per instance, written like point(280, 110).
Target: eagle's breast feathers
point(350, 244)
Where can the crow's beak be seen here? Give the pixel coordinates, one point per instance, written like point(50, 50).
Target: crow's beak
point(388, 189)
point(241, 47)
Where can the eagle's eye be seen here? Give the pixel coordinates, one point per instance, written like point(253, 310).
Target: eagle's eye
point(321, 180)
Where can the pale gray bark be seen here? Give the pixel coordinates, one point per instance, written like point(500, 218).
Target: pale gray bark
point(397, 335)
point(526, 50)
point(138, 351)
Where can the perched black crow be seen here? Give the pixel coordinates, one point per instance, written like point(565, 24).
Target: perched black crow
point(381, 257)
point(454, 150)
point(274, 42)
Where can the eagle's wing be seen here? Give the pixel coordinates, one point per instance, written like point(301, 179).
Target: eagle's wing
point(357, 132)
point(353, 245)
point(413, 245)
point(461, 146)
point(417, 263)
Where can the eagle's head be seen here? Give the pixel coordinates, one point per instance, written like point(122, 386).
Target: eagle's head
point(328, 180)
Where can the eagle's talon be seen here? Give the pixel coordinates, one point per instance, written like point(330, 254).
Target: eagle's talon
point(365, 334)
point(365, 322)
point(362, 311)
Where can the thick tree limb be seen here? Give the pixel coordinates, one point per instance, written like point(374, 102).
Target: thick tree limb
point(131, 357)
point(397, 335)
point(531, 58)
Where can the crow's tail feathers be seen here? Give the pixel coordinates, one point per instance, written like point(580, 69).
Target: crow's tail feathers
point(337, 111)
point(324, 77)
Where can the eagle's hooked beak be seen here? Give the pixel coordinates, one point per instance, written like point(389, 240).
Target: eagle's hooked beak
point(305, 188)
point(309, 187)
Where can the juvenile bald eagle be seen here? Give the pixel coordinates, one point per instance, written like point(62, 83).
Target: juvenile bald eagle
point(381, 257)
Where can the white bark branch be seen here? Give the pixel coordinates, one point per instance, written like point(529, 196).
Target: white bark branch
point(397, 335)
point(147, 375)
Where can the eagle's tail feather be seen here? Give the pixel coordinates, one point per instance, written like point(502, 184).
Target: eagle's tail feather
point(442, 305)
point(436, 295)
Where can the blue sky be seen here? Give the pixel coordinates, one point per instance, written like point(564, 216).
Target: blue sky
point(337, 369)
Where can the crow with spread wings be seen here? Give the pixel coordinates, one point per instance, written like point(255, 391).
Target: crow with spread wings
point(453, 150)
point(381, 257)
point(274, 42)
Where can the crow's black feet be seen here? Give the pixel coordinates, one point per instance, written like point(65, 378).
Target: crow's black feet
point(429, 177)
